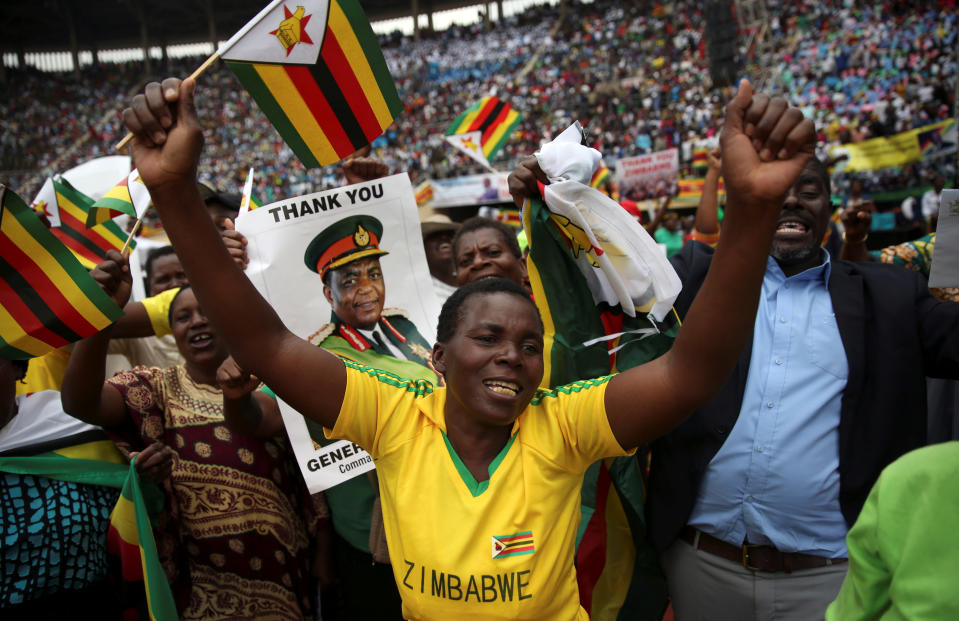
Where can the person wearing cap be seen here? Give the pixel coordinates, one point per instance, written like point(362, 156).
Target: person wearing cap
point(438, 231)
point(346, 256)
point(221, 206)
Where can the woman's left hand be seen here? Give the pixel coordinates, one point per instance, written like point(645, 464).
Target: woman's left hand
point(234, 381)
point(155, 462)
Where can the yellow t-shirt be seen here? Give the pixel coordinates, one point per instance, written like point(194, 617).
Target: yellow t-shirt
point(502, 548)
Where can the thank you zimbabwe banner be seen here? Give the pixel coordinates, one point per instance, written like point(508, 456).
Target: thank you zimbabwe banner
point(367, 232)
point(648, 176)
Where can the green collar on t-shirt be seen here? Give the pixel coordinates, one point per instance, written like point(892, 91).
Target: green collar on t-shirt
point(476, 488)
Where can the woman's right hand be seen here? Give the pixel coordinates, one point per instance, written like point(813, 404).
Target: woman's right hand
point(167, 134)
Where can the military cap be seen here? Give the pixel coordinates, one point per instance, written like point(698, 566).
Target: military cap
point(348, 240)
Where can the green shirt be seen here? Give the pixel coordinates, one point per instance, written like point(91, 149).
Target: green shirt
point(673, 240)
point(904, 548)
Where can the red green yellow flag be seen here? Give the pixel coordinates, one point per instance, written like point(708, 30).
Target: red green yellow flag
point(601, 175)
point(47, 298)
point(131, 537)
point(492, 118)
point(617, 571)
point(129, 197)
point(67, 210)
point(316, 70)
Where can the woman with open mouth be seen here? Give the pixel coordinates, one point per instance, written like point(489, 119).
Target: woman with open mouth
point(480, 480)
point(233, 535)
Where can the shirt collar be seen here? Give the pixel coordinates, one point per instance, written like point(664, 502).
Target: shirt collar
point(775, 275)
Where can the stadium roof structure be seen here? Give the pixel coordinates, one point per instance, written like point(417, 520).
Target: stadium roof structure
point(68, 25)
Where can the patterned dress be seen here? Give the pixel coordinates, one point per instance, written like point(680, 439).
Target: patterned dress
point(917, 256)
point(233, 541)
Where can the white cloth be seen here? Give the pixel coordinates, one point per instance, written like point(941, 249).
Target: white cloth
point(930, 204)
point(442, 290)
point(621, 262)
point(40, 418)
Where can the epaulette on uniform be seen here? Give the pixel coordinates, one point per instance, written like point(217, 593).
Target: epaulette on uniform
point(395, 312)
point(320, 335)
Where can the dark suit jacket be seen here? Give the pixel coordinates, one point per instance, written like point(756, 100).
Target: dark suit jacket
point(894, 334)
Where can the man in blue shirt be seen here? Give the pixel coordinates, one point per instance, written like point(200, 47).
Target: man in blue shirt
point(751, 497)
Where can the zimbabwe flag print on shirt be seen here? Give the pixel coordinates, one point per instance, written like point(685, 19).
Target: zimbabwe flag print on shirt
point(513, 545)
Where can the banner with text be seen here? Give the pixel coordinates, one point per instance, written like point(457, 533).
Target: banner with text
point(279, 235)
point(648, 176)
point(923, 143)
point(471, 190)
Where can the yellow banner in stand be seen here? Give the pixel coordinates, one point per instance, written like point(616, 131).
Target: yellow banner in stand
point(887, 152)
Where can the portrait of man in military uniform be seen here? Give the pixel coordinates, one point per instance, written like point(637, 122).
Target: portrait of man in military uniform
point(346, 255)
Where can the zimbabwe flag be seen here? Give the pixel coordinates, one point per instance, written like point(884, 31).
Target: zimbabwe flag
point(601, 175)
point(67, 210)
point(47, 298)
point(617, 571)
point(129, 197)
point(318, 74)
point(492, 118)
point(131, 538)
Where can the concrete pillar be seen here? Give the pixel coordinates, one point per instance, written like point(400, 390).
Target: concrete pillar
point(211, 22)
point(415, 10)
point(144, 36)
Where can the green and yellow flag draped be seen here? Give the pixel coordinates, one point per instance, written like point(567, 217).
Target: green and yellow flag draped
point(318, 74)
point(130, 535)
point(618, 573)
point(47, 298)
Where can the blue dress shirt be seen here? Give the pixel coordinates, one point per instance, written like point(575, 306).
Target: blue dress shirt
point(775, 480)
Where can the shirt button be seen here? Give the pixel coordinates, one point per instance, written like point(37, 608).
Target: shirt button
point(782, 320)
point(769, 404)
point(786, 285)
point(749, 498)
point(761, 449)
point(779, 360)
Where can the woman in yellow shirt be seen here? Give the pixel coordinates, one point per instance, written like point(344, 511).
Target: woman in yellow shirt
point(491, 415)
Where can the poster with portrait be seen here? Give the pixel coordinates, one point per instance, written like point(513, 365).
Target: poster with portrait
point(293, 241)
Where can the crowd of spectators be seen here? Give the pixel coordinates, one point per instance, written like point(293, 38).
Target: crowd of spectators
point(635, 75)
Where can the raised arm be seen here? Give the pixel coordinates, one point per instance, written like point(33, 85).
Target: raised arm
point(658, 216)
point(166, 148)
point(765, 145)
point(84, 394)
point(856, 220)
point(707, 212)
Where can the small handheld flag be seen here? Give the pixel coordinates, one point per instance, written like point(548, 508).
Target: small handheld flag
point(47, 298)
point(129, 197)
point(601, 175)
point(67, 209)
point(245, 200)
point(492, 120)
point(315, 69)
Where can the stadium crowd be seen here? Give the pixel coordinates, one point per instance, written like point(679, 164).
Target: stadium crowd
point(783, 466)
point(636, 76)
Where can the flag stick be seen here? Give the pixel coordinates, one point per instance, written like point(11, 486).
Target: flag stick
point(125, 251)
point(206, 65)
